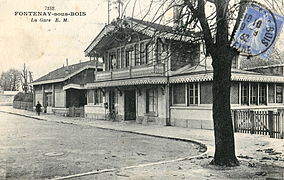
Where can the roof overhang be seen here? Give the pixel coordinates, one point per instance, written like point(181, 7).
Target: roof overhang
point(73, 86)
point(99, 37)
point(234, 77)
point(140, 28)
point(62, 79)
point(127, 82)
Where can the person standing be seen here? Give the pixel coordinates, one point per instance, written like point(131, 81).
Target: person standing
point(38, 108)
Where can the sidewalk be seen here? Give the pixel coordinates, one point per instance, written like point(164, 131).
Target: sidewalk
point(248, 146)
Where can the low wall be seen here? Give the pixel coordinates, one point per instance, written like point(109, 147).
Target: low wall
point(60, 111)
point(23, 105)
point(95, 112)
point(6, 100)
point(199, 117)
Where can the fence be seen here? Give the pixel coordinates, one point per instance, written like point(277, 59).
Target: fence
point(76, 111)
point(264, 122)
point(23, 105)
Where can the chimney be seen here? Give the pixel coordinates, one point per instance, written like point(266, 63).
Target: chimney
point(177, 10)
point(67, 67)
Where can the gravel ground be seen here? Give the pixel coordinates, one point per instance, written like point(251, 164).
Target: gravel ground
point(32, 149)
point(196, 169)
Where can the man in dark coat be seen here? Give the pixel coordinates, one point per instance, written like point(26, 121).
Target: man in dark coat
point(38, 108)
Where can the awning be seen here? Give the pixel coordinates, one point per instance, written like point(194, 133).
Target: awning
point(127, 82)
point(73, 86)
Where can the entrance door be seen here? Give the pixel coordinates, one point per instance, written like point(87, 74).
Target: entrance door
point(130, 105)
point(112, 101)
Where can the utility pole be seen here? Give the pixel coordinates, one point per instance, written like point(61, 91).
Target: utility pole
point(108, 10)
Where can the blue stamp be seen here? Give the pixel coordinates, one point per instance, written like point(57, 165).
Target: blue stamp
point(257, 32)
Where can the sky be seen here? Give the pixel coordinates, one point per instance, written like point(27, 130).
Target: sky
point(45, 46)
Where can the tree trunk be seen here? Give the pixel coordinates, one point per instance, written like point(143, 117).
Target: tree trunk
point(223, 125)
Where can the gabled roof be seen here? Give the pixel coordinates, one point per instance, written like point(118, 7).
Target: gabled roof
point(147, 28)
point(63, 73)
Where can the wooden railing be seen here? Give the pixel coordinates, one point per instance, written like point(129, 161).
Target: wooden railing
point(130, 72)
point(76, 112)
point(266, 122)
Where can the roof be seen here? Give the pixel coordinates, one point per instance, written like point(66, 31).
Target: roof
point(147, 28)
point(63, 73)
point(202, 73)
point(264, 67)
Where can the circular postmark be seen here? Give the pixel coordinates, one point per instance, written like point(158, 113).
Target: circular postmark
point(257, 29)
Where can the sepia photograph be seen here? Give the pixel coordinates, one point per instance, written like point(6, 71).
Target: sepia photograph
point(142, 89)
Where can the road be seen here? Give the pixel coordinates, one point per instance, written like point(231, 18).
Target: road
point(33, 149)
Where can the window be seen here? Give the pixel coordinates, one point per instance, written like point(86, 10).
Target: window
point(159, 52)
point(112, 60)
point(129, 56)
point(137, 57)
point(98, 96)
point(151, 100)
point(142, 53)
point(178, 94)
point(262, 94)
point(122, 58)
point(244, 93)
point(49, 99)
point(90, 96)
point(279, 94)
point(118, 63)
point(149, 53)
point(193, 93)
point(253, 93)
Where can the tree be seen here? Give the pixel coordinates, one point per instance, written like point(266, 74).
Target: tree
point(10, 80)
point(216, 35)
point(222, 56)
point(26, 78)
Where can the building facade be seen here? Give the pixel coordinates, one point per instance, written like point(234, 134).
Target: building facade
point(64, 87)
point(152, 75)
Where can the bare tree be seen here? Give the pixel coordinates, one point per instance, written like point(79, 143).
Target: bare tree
point(10, 80)
point(216, 28)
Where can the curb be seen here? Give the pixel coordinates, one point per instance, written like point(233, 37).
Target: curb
point(111, 129)
point(202, 145)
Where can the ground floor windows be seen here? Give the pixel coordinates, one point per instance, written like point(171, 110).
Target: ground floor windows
point(98, 96)
point(279, 93)
point(193, 93)
point(48, 99)
point(151, 101)
point(245, 93)
point(253, 93)
point(262, 94)
point(185, 94)
point(95, 97)
point(179, 94)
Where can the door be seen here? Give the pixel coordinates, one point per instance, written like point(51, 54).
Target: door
point(112, 101)
point(130, 105)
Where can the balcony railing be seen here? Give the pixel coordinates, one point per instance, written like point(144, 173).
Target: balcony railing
point(132, 72)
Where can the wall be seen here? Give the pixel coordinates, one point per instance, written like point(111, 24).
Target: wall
point(95, 111)
point(192, 117)
point(142, 117)
point(6, 100)
point(60, 96)
point(38, 96)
